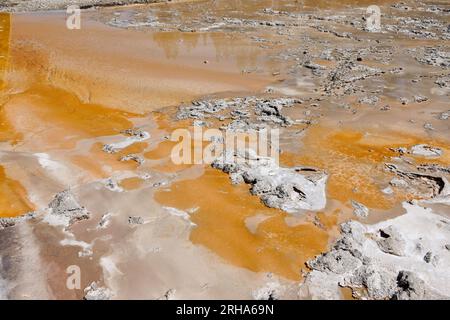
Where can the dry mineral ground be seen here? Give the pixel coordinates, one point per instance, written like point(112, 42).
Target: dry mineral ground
point(93, 205)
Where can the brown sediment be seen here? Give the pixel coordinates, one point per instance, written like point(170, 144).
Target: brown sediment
point(347, 293)
point(355, 161)
point(13, 197)
point(220, 219)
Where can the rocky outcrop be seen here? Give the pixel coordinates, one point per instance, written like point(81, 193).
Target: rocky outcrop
point(10, 222)
point(133, 135)
point(135, 220)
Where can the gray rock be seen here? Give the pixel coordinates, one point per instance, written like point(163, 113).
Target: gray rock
point(371, 100)
point(443, 82)
point(353, 269)
point(423, 185)
point(352, 262)
point(137, 133)
point(317, 69)
point(420, 99)
point(104, 221)
point(435, 57)
point(391, 241)
point(354, 231)
point(108, 148)
point(95, 292)
point(404, 101)
point(380, 283)
point(240, 110)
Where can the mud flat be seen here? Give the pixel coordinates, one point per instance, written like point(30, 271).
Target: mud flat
point(358, 201)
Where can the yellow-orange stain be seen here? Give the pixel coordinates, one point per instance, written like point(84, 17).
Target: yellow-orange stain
point(101, 164)
point(220, 219)
point(5, 27)
point(132, 183)
point(13, 197)
point(355, 161)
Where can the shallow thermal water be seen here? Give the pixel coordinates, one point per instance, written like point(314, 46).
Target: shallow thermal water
point(65, 94)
